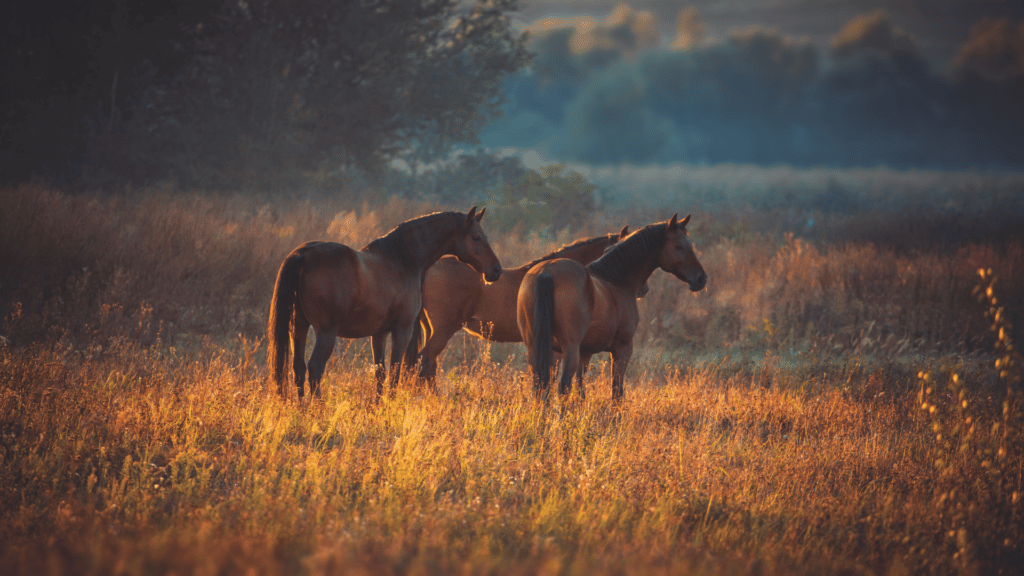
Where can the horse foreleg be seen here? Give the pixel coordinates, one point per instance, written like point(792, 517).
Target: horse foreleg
point(412, 352)
point(318, 361)
point(436, 344)
point(377, 344)
point(620, 361)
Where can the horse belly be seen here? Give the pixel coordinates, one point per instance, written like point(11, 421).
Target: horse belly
point(494, 313)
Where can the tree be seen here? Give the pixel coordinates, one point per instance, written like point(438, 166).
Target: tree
point(68, 65)
point(314, 84)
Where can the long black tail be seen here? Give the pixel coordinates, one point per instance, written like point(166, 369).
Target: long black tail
point(281, 309)
point(543, 318)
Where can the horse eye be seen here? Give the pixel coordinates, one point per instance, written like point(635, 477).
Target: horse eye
point(476, 238)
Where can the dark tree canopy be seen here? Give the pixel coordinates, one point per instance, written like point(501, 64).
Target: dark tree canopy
point(260, 86)
point(66, 66)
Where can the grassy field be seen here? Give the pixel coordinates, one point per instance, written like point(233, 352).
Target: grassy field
point(830, 404)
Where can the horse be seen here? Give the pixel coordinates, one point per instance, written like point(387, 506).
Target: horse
point(582, 310)
point(455, 297)
point(375, 291)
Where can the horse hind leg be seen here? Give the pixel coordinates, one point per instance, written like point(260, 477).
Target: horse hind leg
point(300, 331)
point(570, 368)
point(377, 344)
point(318, 361)
point(581, 373)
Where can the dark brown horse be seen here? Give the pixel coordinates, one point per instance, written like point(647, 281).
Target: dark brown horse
point(456, 297)
point(374, 292)
point(581, 311)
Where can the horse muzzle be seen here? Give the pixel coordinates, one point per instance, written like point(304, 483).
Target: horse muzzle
point(493, 273)
point(698, 281)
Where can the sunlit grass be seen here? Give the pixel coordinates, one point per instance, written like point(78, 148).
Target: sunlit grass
point(819, 409)
point(133, 461)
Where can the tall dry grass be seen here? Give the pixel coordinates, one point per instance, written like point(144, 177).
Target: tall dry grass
point(135, 461)
point(821, 408)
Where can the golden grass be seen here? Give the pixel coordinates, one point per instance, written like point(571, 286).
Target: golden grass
point(139, 434)
point(133, 461)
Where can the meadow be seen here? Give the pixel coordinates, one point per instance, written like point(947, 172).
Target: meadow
point(843, 398)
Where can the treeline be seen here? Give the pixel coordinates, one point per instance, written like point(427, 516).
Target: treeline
point(225, 94)
point(609, 93)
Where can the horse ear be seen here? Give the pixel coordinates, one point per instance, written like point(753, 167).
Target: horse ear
point(685, 221)
point(624, 232)
point(672, 223)
point(470, 216)
point(481, 214)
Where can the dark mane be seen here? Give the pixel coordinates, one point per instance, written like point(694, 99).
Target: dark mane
point(559, 253)
point(622, 258)
point(396, 244)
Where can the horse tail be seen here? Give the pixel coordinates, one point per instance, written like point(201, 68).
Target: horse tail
point(543, 318)
point(421, 331)
point(282, 306)
point(426, 329)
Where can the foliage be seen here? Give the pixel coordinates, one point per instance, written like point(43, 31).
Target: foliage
point(977, 457)
point(265, 88)
point(83, 63)
point(759, 96)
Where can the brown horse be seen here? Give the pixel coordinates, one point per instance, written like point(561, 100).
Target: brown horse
point(374, 292)
point(456, 297)
point(581, 311)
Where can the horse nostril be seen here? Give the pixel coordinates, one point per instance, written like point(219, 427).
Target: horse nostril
point(699, 282)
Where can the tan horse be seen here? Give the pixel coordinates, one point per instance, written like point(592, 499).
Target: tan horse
point(581, 311)
point(456, 297)
point(373, 292)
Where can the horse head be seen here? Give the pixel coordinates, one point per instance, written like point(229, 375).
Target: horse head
point(472, 248)
point(677, 256)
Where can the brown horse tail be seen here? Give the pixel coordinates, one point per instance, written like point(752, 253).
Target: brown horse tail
point(281, 308)
point(543, 318)
point(426, 329)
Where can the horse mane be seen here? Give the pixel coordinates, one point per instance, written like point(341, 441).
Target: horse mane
point(395, 244)
point(566, 248)
point(622, 258)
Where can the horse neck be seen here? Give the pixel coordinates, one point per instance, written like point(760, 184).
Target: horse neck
point(639, 274)
point(418, 245)
point(626, 271)
point(585, 253)
point(426, 249)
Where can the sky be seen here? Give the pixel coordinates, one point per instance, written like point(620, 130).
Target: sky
point(900, 83)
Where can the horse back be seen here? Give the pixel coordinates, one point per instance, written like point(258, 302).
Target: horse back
point(354, 293)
